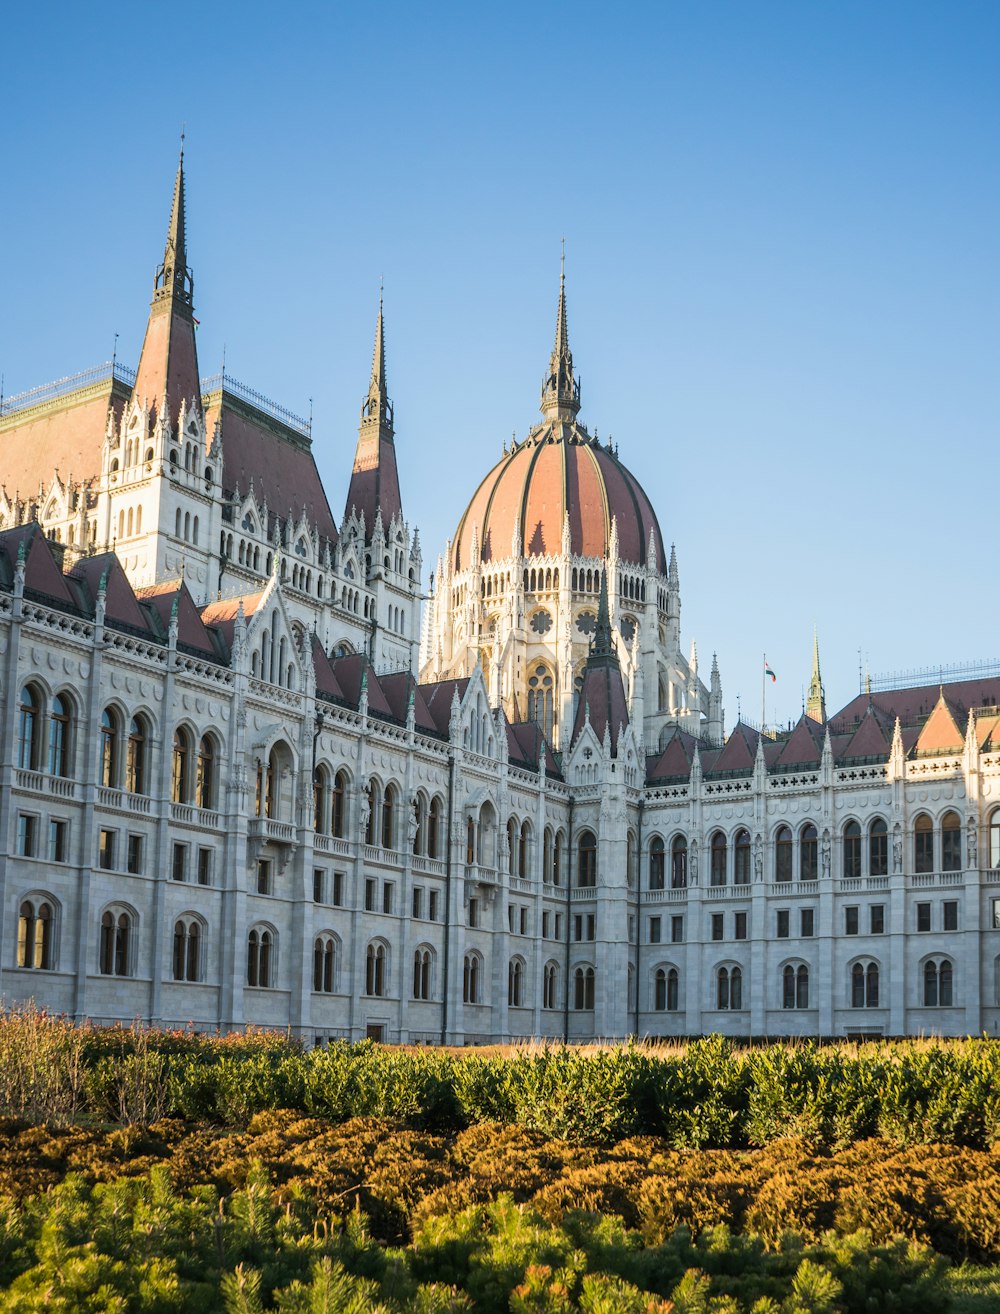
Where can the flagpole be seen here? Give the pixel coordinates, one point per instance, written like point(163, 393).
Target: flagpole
point(763, 693)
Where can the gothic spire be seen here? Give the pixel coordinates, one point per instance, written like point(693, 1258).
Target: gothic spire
point(561, 390)
point(168, 363)
point(374, 484)
point(602, 645)
point(816, 702)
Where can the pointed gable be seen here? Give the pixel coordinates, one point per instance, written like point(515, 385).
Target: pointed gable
point(674, 763)
point(438, 698)
point(191, 629)
point(220, 616)
point(121, 605)
point(941, 733)
point(326, 682)
point(397, 688)
point(739, 751)
point(804, 746)
point(869, 740)
point(349, 672)
point(42, 574)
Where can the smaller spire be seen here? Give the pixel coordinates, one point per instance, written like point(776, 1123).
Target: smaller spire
point(816, 702)
point(173, 278)
point(561, 389)
point(601, 645)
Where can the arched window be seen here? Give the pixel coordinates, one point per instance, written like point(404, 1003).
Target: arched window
point(422, 974)
point(135, 757)
point(260, 954)
point(878, 848)
point(660, 989)
point(679, 863)
point(808, 853)
point(375, 973)
point(951, 842)
point(795, 987)
point(109, 748)
point(923, 844)
point(434, 821)
point(512, 836)
point(864, 985)
point(729, 988)
point(515, 983)
point(28, 728)
point(550, 977)
point(783, 855)
point(116, 943)
point(205, 781)
point(320, 810)
point(418, 811)
point(339, 803)
point(557, 858)
point(995, 838)
point(547, 854)
point(470, 979)
point(187, 949)
point(657, 863)
point(271, 778)
point(741, 858)
point(852, 850)
point(630, 859)
point(541, 701)
point(325, 964)
point(59, 736)
point(717, 874)
point(522, 851)
point(938, 983)
point(34, 935)
point(389, 817)
point(587, 854)
point(583, 988)
point(180, 775)
point(470, 841)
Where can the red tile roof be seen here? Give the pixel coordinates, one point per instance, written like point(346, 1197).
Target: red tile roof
point(120, 599)
point(65, 435)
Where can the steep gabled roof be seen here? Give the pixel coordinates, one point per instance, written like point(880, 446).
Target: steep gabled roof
point(121, 603)
point(871, 739)
point(739, 750)
point(675, 760)
point(804, 746)
point(221, 615)
point(941, 732)
point(439, 695)
point(349, 671)
point(525, 744)
point(192, 631)
point(42, 574)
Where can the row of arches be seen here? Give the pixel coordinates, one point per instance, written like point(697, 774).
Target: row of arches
point(129, 522)
point(185, 527)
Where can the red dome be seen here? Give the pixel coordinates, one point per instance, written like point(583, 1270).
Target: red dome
point(558, 468)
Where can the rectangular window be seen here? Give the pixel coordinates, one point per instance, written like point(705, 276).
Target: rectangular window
point(204, 866)
point(578, 927)
point(851, 920)
point(418, 902)
point(371, 889)
point(58, 841)
point(473, 912)
point(591, 926)
point(106, 849)
point(996, 914)
point(432, 905)
point(782, 923)
point(26, 829)
point(631, 929)
point(546, 924)
point(524, 921)
point(739, 926)
point(654, 930)
point(178, 867)
point(319, 884)
point(559, 931)
point(950, 910)
point(923, 917)
point(718, 926)
point(806, 918)
point(264, 876)
point(877, 918)
point(677, 929)
point(511, 914)
point(136, 849)
point(388, 893)
point(338, 889)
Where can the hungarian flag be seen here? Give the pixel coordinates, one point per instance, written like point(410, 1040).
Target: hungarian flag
point(768, 671)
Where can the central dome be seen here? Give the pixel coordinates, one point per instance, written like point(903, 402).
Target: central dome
point(558, 470)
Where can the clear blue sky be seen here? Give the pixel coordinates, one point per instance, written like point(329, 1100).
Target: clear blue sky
point(782, 224)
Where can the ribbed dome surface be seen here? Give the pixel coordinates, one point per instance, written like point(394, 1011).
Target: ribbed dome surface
point(559, 468)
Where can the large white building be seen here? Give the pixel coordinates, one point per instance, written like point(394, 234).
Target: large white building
point(233, 792)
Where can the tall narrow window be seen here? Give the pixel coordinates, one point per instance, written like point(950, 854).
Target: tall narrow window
point(389, 817)
point(59, 736)
point(470, 979)
point(718, 861)
point(741, 858)
point(109, 749)
point(434, 818)
point(852, 850)
point(187, 949)
point(587, 871)
point(878, 848)
point(657, 863)
point(180, 767)
point(951, 842)
point(583, 988)
point(116, 935)
point(324, 964)
point(541, 690)
point(808, 853)
point(27, 729)
point(549, 978)
point(679, 863)
point(923, 844)
point(260, 943)
point(135, 760)
point(783, 855)
point(339, 803)
point(422, 974)
point(515, 983)
point(205, 783)
point(34, 935)
point(375, 976)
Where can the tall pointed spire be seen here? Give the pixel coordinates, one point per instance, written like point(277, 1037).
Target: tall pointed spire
point(816, 702)
point(168, 364)
point(374, 483)
point(561, 390)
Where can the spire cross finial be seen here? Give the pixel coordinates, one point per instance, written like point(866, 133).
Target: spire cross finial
point(183, 135)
